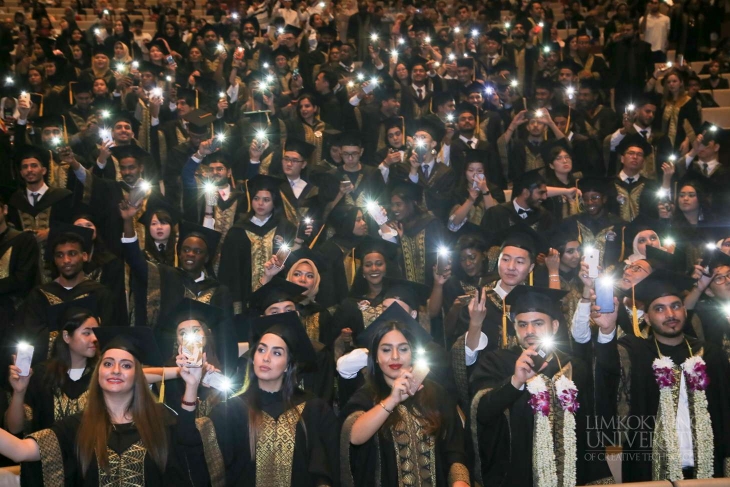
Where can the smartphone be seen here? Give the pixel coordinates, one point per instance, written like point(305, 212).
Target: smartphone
point(421, 153)
point(23, 358)
point(591, 256)
point(238, 55)
point(377, 214)
point(282, 254)
point(295, 74)
point(420, 371)
point(543, 350)
point(604, 295)
point(303, 224)
point(680, 59)
point(106, 136)
point(24, 96)
point(441, 262)
point(216, 380)
point(193, 349)
point(170, 60)
point(344, 185)
point(369, 88)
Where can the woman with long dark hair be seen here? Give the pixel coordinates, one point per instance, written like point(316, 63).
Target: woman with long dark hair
point(275, 434)
point(123, 436)
point(473, 195)
point(57, 387)
point(679, 116)
point(692, 220)
point(398, 425)
point(171, 34)
point(161, 230)
point(559, 162)
point(307, 126)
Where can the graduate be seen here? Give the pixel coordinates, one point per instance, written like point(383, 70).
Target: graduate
point(366, 182)
point(158, 288)
point(396, 430)
point(274, 434)
point(58, 387)
point(301, 198)
point(122, 436)
point(515, 404)
point(252, 241)
point(639, 377)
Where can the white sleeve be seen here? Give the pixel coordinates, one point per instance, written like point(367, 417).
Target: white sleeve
point(454, 227)
point(581, 329)
point(606, 338)
point(154, 121)
point(233, 92)
point(446, 154)
point(80, 174)
point(391, 236)
point(385, 171)
point(470, 356)
point(130, 239)
point(616, 139)
point(355, 100)
point(351, 363)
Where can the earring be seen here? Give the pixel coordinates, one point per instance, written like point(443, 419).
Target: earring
point(433, 152)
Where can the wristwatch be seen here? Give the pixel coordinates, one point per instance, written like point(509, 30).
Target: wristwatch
point(486, 193)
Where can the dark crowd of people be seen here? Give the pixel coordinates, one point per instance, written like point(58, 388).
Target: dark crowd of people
point(322, 243)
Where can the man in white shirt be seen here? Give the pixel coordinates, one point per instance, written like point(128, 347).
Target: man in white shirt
point(655, 27)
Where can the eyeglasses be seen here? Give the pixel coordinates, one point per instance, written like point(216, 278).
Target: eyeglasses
point(293, 161)
point(563, 158)
point(634, 154)
point(636, 268)
point(594, 197)
point(349, 155)
point(721, 279)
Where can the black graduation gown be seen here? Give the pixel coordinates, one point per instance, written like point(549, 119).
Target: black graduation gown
point(313, 457)
point(48, 404)
point(628, 200)
point(108, 270)
point(714, 326)
point(18, 272)
point(185, 462)
point(368, 183)
point(158, 289)
point(446, 460)
point(438, 189)
point(311, 203)
point(499, 218)
point(503, 421)
point(419, 246)
point(32, 321)
point(341, 267)
point(596, 231)
point(245, 250)
point(623, 370)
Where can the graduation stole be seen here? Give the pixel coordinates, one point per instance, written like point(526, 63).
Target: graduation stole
point(414, 256)
point(359, 200)
point(533, 161)
point(629, 201)
point(586, 238)
point(666, 457)
point(313, 135)
point(549, 469)
point(671, 117)
point(587, 66)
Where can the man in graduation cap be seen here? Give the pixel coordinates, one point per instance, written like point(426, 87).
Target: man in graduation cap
point(394, 151)
point(122, 128)
point(81, 121)
point(592, 118)
point(174, 132)
point(529, 191)
point(467, 118)
point(638, 378)
point(212, 201)
point(255, 53)
point(590, 66)
point(264, 151)
point(495, 62)
point(68, 251)
point(416, 99)
point(518, 156)
point(522, 54)
point(375, 117)
point(633, 192)
point(159, 288)
point(19, 261)
point(702, 163)
point(301, 199)
point(32, 207)
point(515, 395)
point(280, 297)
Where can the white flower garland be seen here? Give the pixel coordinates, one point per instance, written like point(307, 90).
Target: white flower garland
point(695, 372)
point(544, 463)
point(696, 380)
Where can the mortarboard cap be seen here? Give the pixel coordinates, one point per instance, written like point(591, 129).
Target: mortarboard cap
point(327, 30)
point(595, 184)
point(210, 237)
point(263, 182)
point(137, 340)
point(82, 87)
point(60, 228)
point(299, 146)
point(712, 133)
point(466, 108)
point(527, 180)
point(289, 328)
point(260, 117)
point(159, 44)
point(149, 67)
point(331, 138)
point(275, 291)
point(131, 150)
point(523, 237)
point(371, 245)
point(495, 35)
point(190, 309)
point(101, 49)
point(526, 299)
point(476, 156)
point(567, 232)
point(199, 121)
point(59, 314)
point(394, 122)
point(412, 293)
point(408, 190)
point(634, 140)
point(434, 128)
point(591, 83)
point(394, 313)
point(661, 283)
point(417, 61)
point(32, 152)
point(661, 259)
point(351, 139)
point(465, 62)
point(571, 65)
point(293, 30)
point(160, 204)
point(719, 259)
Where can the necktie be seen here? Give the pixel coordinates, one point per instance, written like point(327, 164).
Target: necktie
point(630, 180)
point(644, 133)
point(425, 171)
point(420, 93)
point(524, 213)
point(471, 144)
point(35, 198)
point(705, 167)
point(292, 183)
point(162, 248)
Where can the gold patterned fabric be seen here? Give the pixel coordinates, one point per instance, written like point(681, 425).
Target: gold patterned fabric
point(125, 470)
point(476, 213)
point(598, 241)
point(212, 452)
point(5, 263)
point(414, 256)
point(262, 247)
point(670, 117)
point(458, 473)
point(41, 221)
point(64, 406)
point(224, 220)
point(52, 298)
point(51, 459)
point(474, 436)
point(57, 174)
point(533, 161)
point(415, 451)
point(370, 314)
point(629, 201)
point(275, 448)
point(311, 325)
point(313, 135)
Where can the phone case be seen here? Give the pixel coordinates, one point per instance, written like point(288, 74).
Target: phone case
point(377, 214)
point(193, 350)
point(591, 258)
point(419, 375)
point(282, 254)
point(604, 296)
point(216, 380)
point(23, 359)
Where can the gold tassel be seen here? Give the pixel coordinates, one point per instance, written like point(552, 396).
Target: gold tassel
point(248, 195)
point(634, 314)
point(352, 266)
point(504, 324)
point(623, 243)
point(65, 132)
point(530, 278)
point(196, 99)
point(580, 236)
point(161, 398)
point(567, 124)
point(314, 241)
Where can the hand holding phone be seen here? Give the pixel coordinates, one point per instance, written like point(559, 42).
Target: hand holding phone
point(216, 380)
point(192, 348)
point(420, 371)
point(23, 358)
point(591, 256)
point(604, 295)
point(282, 254)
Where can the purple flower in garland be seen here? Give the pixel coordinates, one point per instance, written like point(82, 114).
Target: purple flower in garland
point(568, 400)
point(540, 403)
point(664, 372)
point(695, 373)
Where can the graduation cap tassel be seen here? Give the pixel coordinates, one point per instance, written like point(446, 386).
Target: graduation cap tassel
point(161, 398)
point(623, 243)
point(248, 195)
point(65, 131)
point(504, 324)
point(580, 236)
point(314, 241)
point(567, 124)
point(352, 266)
point(634, 314)
point(530, 278)
point(196, 100)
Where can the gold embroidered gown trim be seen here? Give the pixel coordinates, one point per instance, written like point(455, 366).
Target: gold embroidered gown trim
point(262, 248)
point(415, 451)
point(275, 448)
point(311, 325)
point(125, 470)
point(212, 452)
point(5, 263)
point(64, 406)
point(414, 256)
point(51, 458)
